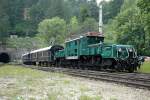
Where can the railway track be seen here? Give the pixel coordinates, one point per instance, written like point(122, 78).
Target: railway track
point(138, 80)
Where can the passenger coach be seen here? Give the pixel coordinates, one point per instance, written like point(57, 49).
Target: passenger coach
point(41, 57)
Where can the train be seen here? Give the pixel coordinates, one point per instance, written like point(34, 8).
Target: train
point(88, 51)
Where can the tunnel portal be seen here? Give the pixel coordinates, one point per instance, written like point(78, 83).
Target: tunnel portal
point(4, 57)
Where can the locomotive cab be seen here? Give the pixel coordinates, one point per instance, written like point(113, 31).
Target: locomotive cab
point(94, 38)
point(126, 52)
point(127, 57)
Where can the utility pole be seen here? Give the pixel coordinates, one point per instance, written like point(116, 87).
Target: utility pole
point(100, 17)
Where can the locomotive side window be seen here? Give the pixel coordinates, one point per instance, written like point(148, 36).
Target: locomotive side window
point(75, 52)
point(94, 40)
point(75, 42)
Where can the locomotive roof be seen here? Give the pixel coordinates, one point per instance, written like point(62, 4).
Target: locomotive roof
point(88, 34)
point(120, 45)
point(124, 45)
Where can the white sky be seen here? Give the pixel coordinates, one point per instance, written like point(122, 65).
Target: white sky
point(98, 1)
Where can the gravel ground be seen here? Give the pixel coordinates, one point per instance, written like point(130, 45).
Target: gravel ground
point(112, 91)
point(66, 88)
point(39, 85)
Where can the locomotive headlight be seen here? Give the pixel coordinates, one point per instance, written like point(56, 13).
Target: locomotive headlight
point(130, 50)
point(119, 49)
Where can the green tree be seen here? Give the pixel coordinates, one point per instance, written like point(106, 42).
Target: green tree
point(111, 9)
point(74, 26)
point(129, 27)
point(84, 12)
point(4, 21)
point(132, 31)
point(90, 24)
point(144, 6)
point(53, 30)
point(94, 9)
point(4, 28)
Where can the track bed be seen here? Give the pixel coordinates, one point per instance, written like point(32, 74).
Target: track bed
point(138, 80)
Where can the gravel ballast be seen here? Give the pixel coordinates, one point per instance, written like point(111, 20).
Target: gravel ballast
point(29, 84)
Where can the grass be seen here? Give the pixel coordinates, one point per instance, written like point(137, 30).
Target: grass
point(85, 97)
point(53, 95)
point(145, 68)
point(11, 70)
point(16, 70)
point(19, 83)
point(84, 88)
point(113, 98)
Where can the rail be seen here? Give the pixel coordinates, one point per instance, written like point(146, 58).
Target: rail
point(138, 80)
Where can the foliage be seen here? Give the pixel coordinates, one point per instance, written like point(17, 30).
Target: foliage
point(4, 28)
point(144, 6)
point(84, 12)
point(129, 27)
point(4, 21)
point(74, 26)
point(88, 25)
point(125, 21)
point(26, 43)
point(88, 9)
point(145, 68)
point(111, 9)
point(53, 30)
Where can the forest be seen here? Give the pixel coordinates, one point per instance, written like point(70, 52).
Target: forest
point(32, 24)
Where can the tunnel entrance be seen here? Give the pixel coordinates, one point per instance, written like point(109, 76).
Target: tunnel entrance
point(4, 57)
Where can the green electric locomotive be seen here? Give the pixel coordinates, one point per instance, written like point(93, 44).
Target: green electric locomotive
point(89, 51)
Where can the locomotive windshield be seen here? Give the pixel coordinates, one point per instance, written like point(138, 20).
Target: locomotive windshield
point(132, 52)
point(122, 52)
point(94, 39)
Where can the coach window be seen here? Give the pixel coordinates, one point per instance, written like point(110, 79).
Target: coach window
point(44, 53)
point(35, 55)
point(76, 42)
point(41, 54)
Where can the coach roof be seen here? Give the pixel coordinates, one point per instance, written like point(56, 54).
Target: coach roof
point(42, 49)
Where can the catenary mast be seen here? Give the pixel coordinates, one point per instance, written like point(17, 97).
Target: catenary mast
point(100, 18)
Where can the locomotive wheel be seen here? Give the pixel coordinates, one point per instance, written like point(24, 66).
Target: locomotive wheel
point(131, 69)
point(118, 67)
